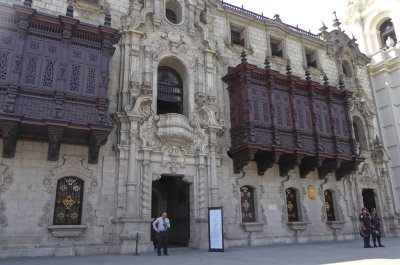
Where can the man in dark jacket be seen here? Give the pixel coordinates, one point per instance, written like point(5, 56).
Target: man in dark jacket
point(376, 223)
point(365, 223)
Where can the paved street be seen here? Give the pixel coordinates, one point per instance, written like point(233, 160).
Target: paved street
point(345, 253)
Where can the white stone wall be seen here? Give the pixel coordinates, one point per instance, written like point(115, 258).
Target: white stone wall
point(132, 158)
point(384, 72)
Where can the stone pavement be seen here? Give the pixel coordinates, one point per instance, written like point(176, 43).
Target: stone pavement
point(343, 253)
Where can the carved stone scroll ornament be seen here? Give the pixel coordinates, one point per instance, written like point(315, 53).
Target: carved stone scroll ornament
point(55, 134)
point(97, 139)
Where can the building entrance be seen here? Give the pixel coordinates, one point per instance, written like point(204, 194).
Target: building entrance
point(171, 194)
point(369, 199)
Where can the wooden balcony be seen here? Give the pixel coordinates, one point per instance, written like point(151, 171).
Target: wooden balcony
point(285, 120)
point(53, 80)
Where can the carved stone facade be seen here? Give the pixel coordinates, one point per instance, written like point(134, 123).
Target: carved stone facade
point(153, 159)
point(377, 26)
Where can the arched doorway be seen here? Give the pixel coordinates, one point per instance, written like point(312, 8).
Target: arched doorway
point(170, 193)
point(369, 199)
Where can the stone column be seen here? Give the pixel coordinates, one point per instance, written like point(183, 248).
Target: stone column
point(388, 192)
point(358, 193)
point(214, 190)
point(210, 72)
point(201, 169)
point(146, 185)
point(131, 182)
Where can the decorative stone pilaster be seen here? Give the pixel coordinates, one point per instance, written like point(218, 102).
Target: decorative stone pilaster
point(201, 169)
point(358, 192)
point(131, 183)
point(214, 190)
point(146, 184)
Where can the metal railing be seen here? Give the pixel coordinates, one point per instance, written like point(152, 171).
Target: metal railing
point(264, 18)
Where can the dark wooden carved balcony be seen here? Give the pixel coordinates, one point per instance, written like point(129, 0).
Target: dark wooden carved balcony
point(285, 120)
point(53, 80)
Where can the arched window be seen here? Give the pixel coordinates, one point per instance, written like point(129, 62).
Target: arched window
point(68, 203)
point(386, 30)
point(247, 204)
point(173, 11)
point(347, 69)
point(329, 206)
point(291, 205)
point(169, 91)
point(171, 16)
point(359, 133)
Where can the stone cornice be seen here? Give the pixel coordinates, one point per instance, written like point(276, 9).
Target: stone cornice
point(385, 66)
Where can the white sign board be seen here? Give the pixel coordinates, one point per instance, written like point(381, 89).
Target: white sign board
point(215, 228)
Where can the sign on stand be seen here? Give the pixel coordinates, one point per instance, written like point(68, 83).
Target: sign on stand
point(215, 229)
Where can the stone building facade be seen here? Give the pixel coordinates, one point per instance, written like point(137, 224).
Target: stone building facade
point(375, 24)
point(172, 131)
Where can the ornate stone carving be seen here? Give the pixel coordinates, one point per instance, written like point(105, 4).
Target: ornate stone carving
point(168, 43)
point(367, 176)
point(96, 140)
point(140, 108)
point(175, 135)
point(45, 219)
point(72, 167)
point(188, 179)
point(3, 217)
point(6, 178)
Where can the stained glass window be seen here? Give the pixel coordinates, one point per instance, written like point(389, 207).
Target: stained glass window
point(291, 205)
point(247, 203)
point(330, 211)
point(68, 204)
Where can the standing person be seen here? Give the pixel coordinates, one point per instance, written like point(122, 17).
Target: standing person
point(365, 223)
point(376, 223)
point(161, 226)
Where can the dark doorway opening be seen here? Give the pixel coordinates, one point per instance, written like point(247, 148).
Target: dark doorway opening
point(369, 199)
point(171, 194)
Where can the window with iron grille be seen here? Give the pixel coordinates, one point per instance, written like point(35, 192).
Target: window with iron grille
point(276, 47)
point(237, 35)
point(387, 30)
point(291, 205)
point(68, 203)
point(247, 204)
point(169, 91)
point(311, 58)
point(330, 210)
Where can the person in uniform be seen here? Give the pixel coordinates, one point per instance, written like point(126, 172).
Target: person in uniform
point(376, 223)
point(365, 223)
point(161, 226)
